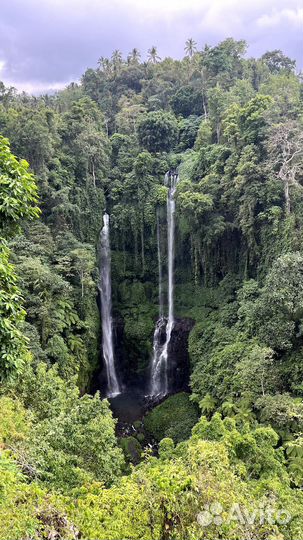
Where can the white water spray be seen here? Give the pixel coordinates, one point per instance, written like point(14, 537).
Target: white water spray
point(113, 388)
point(159, 368)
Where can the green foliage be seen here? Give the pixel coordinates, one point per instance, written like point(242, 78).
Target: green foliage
point(173, 418)
point(282, 411)
point(39, 513)
point(162, 498)
point(13, 350)
point(158, 131)
point(192, 203)
point(187, 101)
point(223, 62)
point(14, 421)
point(132, 449)
point(107, 142)
point(18, 195)
point(85, 445)
point(219, 464)
point(203, 135)
point(294, 453)
point(207, 404)
point(274, 312)
point(277, 61)
point(189, 128)
point(255, 448)
point(18, 190)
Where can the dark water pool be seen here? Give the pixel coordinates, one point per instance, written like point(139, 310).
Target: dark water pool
point(129, 406)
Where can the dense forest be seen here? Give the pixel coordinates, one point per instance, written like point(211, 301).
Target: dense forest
point(219, 454)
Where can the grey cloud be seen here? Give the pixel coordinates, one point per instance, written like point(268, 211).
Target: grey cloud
point(50, 42)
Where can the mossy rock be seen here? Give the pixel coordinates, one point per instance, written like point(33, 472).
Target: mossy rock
point(137, 424)
point(132, 449)
point(174, 418)
point(140, 437)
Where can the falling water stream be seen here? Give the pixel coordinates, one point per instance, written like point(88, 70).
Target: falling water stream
point(113, 387)
point(160, 277)
point(159, 364)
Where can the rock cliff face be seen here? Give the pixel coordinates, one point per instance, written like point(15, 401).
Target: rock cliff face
point(179, 367)
point(130, 378)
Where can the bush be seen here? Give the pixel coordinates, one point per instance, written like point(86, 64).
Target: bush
point(174, 418)
point(132, 449)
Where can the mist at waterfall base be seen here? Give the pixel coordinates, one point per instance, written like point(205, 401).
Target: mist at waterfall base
point(167, 372)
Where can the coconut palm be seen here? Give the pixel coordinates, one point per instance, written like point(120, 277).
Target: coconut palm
point(134, 56)
point(104, 65)
point(116, 60)
point(101, 61)
point(153, 56)
point(190, 47)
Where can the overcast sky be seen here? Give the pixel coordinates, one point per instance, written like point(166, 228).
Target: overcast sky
point(45, 44)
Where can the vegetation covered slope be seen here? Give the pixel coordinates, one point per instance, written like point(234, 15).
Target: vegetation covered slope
point(233, 127)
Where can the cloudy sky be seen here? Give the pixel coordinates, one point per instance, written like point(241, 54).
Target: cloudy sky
point(45, 44)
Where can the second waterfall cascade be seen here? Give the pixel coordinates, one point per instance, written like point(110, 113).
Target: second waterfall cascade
point(159, 366)
point(113, 387)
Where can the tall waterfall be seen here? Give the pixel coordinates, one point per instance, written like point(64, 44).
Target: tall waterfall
point(160, 276)
point(113, 388)
point(159, 366)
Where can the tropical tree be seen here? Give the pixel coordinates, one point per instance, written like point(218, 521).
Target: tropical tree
point(158, 131)
point(286, 150)
point(153, 56)
point(18, 190)
point(117, 61)
point(104, 64)
point(18, 197)
point(224, 62)
point(92, 147)
point(208, 404)
point(83, 262)
point(190, 47)
point(134, 56)
point(13, 350)
point(276, 61)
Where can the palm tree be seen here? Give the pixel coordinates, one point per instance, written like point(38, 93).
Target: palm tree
point(100, 62)
point(207, 404)
point(153, 56)
point(105, 65)
point(134, 56)
point(116, 60)
point(190, 47)
point(229, 408)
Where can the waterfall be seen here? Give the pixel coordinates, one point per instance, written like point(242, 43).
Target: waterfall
point(160, 277)
point(156, 367)
point(159, 365)
point(113, 388)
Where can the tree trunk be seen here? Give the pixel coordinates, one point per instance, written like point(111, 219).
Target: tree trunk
point(94, 176)
point(246, 264)
point(204, 105)
point(287, 197)
point(142, 246)
point(82, 285)
point(136, 248)
point(196, 264)
point(218, 130)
